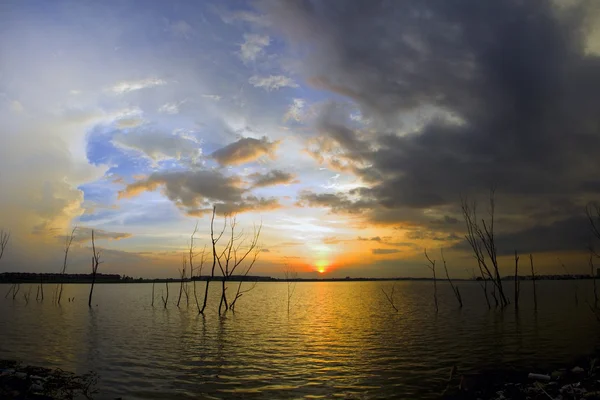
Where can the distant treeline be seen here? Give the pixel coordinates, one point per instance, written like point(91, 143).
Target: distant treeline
point(29, 277)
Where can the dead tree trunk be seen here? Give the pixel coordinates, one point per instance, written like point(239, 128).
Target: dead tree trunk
point(182, 273)
point(480, 238)
point(152, 303)
point(68, 242)
point(533, 282)
point(593, 275)
point(4, 238)
point(166, 299)
point(95, 263)
point(290, 280)
point(390, 297)
point(517, 282)
point(233, 258)
point(432, 268)
point(214, 240)
point(454, 289)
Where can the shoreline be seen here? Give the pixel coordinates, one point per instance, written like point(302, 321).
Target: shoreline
point(28, 382)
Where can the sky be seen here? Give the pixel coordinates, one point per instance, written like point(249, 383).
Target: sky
point(349, 129)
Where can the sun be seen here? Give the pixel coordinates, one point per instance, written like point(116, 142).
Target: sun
point(322, 266)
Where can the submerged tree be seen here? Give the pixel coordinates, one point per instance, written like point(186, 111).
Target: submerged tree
point(165, 300)
point(454, 288)
point(291, 277)
point(68, 241)
point(481, 238)
point(239, 255)
point(214, 240)
point(517, 281)
point(533, 282)
point(95, 264)
point(390, 296)
point(431, 266)
point(4, 238)
point(183, 277)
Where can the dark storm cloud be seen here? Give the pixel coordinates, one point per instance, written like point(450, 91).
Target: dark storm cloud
point(245, 150)
point(572, 234)
point(196, 191)
point(384, 251)
point(272, 178)
point(510, 95)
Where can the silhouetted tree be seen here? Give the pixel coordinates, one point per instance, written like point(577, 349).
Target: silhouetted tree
point(182, 274)
point(95, 264)
point(533, 282)
point(152, 303)
point(574, 282)
point(481, 237)
point(214, 240)
point(290, 278)
point(431, 266)
point(235, 257)
point(390, 296)
point(165, 300)
point(454, 288)
point(4, 238)
point(517, 281)
point(68, 241)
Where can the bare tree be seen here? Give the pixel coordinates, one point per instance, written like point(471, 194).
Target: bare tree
point(27, 295)
point(214, 240)
point(533, 282)
point(4, 238)
point(576, 285)
point(182, 274)
point(454, 288)
point(165, 300)
point(235, 257)
point(291, 277)
point(390, 297)
point(152, 303)
point(431, 266)
point(480, 237)
point(68, 241)
point(517, 281)
point(593, 275)
point(95, 264)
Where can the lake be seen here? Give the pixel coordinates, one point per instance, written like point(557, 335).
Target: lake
point(340, 339)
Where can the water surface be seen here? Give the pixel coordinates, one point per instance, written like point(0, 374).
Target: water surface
point(340, 339)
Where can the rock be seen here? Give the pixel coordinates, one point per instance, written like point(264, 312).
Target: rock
point(36, 388)
point(539, 377)
point(7, 372)
point(20, 375)
point(577, 370)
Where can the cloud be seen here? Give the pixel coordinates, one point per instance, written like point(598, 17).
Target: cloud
point(132, 122)
point(452, 99)
point(384, 251)
point(272, 178)
point(272, 82)
point(196, 191)
point(571, 234)
point(253, 46)
point(245, 150)
point(295, 111)
point(157, 145)
point(84, 234)
point(130, 86)
point(169, 108)
point(214, 97)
